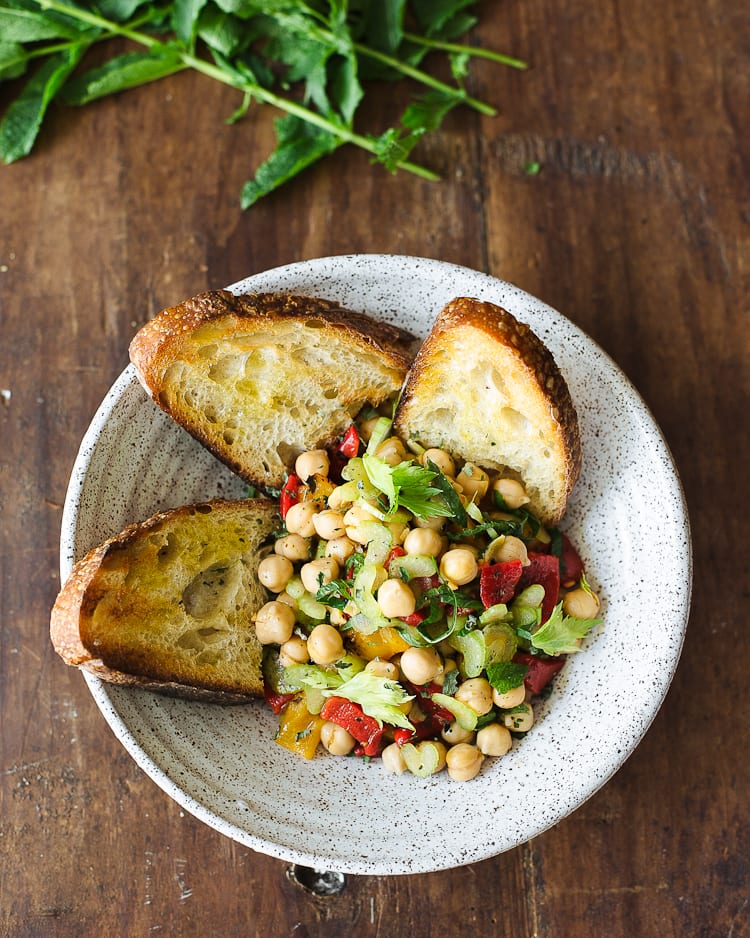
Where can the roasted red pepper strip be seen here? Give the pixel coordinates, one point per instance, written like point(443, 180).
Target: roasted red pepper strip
point(571, 565)
point(541, 670)
point(274, 699)
point(365, 729)
point(394, 552)
point(497, 582)
point(543, 569)
point(426, 704)
point(289, 494)
point(429, 728)
point(349, 446)
point(415, 618)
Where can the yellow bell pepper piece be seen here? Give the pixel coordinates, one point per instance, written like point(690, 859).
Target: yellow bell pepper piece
point(383, 644)
point(299, 730)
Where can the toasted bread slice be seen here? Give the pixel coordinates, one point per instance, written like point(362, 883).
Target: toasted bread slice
point(486, 389)
point(260, 378)
point(167, 604)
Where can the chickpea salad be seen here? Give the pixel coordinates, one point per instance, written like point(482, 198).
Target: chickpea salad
point(420, 608)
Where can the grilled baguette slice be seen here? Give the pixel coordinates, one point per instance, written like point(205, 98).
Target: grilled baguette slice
point(167, 604)
point(262, 377)
point(486, 389)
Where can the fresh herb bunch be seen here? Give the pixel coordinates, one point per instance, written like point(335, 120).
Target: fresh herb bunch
point(308, 59)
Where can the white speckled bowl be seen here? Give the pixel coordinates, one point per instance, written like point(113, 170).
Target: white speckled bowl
point(222, 765)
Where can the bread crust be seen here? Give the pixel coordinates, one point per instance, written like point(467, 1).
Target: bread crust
point(158, 344)
point(82, 589)
point(501, 328)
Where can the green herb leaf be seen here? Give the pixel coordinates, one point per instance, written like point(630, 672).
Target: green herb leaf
point(561, 634)
point(378, 697)
point(24, 116)
point(121, 73)
point(506, 675)
point(337, 593)
point(298, 145)
point(185, 15)
point(13, 60)
point(26, 22)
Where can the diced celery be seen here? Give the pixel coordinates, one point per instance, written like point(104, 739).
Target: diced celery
point(349, 665)
point(500, 642)
point(354, 470)
point(472, 648)
point(309, 606)
point(379, 542)
point(465, 716)
point(421, 760)
point(532, 596)
point(495, 613)
point(314, 699)
point(295, 587)
point(362, 591)
point(411, 565)
point(379, 432)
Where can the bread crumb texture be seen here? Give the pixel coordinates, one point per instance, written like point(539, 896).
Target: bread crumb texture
point(260, 378)
point(486, 389)
point(172, 599)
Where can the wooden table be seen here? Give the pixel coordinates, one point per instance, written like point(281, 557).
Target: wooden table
point(637, 228)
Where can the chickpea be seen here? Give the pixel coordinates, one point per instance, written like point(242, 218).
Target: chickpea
point(521, 719)
point(293, 547)
point(454, 734)
point(339, 497)
point(274, 572)
point(313, 462)
point(420, 665)
point(423, 541)
point(512, 548)
point(337, 740)
point(395, 598)
point(328, 524)
point(386, 669)
point(274, 623)
point(442, 754)
point(448, 665)
point(393, 760)
point(340, 548)
point(434, 524)
point(299, 519)
point(464, 762)
point(391, 451)
point(293, 651)
point(476, 693)
point(509, 699)
point(581, 603)
point(356, 515)
point(444, 461)
point(512, 492)
point(324, 644)
point(458, 565)
point(494, 740)
point(474, 481)
point(318, 572)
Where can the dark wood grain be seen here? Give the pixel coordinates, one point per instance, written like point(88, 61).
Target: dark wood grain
point(637, 228)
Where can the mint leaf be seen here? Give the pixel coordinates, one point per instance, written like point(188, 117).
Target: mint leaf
point(298, 145)
point(13, 60)
point(20, 126)
point(561, 634)
point(122, 72)
point(506, 675)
